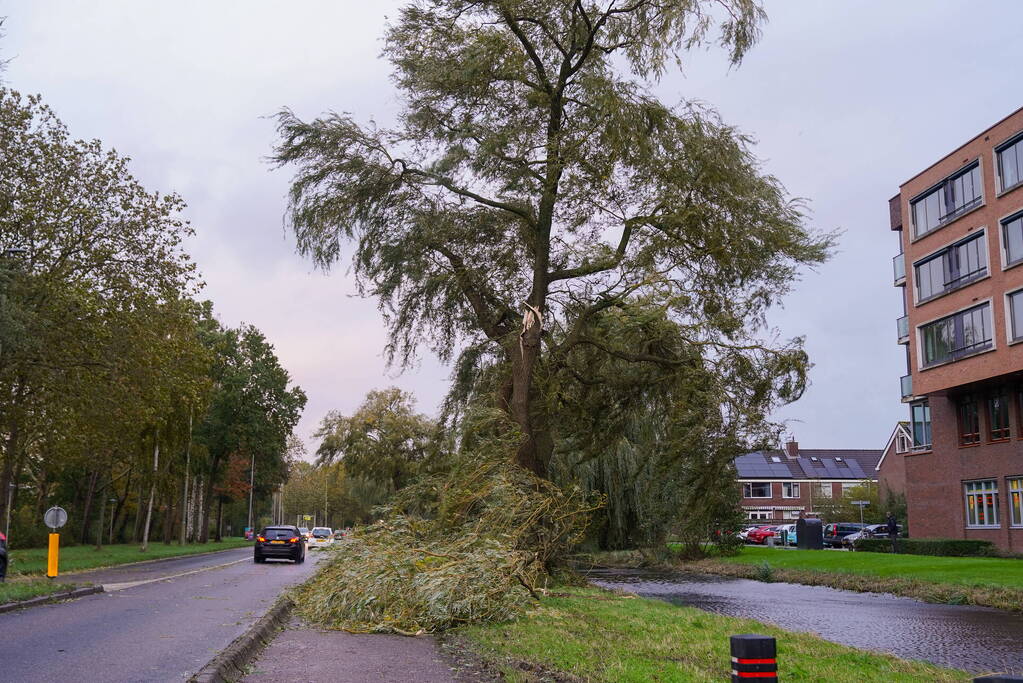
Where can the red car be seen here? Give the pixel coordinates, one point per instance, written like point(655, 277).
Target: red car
point(761, 534)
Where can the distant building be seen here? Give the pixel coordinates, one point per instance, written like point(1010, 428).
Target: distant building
point(960, 225)
point(778, 485)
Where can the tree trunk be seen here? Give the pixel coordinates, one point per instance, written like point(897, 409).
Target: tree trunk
point(99, 529)
point(7, 473)
point(168, 520)
point(535, 450)
point(184, 498)
point(220, 518)
point(152, 490)
point(87, 507)
point(204, 529)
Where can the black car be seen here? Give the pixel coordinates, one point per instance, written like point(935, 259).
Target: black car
point(279, 542)
point(3, 557)
point(835, 532)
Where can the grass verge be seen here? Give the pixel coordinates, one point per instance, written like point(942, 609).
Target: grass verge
point(987, 581)
point(587, 634)
point(32, 561)
point(23, 590)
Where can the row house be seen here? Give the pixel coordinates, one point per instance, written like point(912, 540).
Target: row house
point(779, 485)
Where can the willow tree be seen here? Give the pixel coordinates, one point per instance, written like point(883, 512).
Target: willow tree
point(533, 182)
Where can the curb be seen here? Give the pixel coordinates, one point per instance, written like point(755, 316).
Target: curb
point(82, 572)
point(53, 597)
point(229, 664)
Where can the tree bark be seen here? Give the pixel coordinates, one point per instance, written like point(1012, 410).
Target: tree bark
point(152, 490)
point(204, 529)
point(99, 527)
point(220, 518)
point(87, 508)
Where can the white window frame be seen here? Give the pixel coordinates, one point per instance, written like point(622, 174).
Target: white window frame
point(977, 490)
point(846, 487)
point(920, 337)
point(787, 487)
point(996, 168)
point(818, 488)
point(1015, 487)
point(915, 235)
point(982, 231)
point(1009, 340)
point(759, 515)
point(903, 443)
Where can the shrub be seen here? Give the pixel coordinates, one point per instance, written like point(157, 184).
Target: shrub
point(942, 547)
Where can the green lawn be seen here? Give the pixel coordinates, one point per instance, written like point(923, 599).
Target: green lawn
point(984, 572)
point(14, 591)
point(599, 636)
point(76, 558)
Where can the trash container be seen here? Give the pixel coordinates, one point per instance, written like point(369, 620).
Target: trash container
point(809, 534)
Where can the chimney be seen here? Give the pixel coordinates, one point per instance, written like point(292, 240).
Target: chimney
point(792, 448)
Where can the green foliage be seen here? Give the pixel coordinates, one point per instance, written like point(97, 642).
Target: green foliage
point(533, 176)
point(383, 441)
point(941, 547)
point(764, 572)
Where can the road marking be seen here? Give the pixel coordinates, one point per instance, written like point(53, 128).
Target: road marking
point(111, 587)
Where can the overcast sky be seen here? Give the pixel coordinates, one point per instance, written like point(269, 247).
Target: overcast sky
point(846, 100)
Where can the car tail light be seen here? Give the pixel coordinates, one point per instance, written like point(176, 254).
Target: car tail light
point(293, 540)
point(260, 539)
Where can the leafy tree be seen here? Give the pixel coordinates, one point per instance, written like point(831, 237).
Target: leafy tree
point(533, 185)
point(383, 441)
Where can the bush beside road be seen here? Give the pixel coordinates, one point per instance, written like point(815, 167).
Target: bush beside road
point(600, 636)
point(32, 562)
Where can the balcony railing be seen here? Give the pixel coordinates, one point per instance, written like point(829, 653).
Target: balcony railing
point(907, 386)
point(899, 266)
point(903, 327)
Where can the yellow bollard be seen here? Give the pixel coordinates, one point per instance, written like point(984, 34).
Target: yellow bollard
point(51, 559)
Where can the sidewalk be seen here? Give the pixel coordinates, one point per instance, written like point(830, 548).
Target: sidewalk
point(300, 654)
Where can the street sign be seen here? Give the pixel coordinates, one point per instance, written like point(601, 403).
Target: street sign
point(860, 502)
point(307, 518)
point(55, 517)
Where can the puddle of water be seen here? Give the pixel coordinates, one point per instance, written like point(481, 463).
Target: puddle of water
point(977, 639)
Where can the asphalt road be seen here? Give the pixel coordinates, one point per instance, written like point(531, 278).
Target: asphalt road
point(157, 630)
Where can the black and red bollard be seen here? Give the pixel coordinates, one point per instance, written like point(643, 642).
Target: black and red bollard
point(754, 658)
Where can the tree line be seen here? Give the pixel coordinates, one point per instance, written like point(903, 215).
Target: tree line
point(122, 398)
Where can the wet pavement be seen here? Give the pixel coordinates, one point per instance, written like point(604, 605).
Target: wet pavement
point(977, 639)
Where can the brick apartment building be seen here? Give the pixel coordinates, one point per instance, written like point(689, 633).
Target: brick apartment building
point(960, 225)
point(779, 484)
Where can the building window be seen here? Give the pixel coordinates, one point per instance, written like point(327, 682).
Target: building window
point(846, 488)
point(759, 514)
point(1016, 315)
point(1010, 163)
point(822, 490)
point(790, 489)
point(969, 421)
point(981, 503)
point(921, 421)
point(998, 416)
point(1016, 501)
point(1012, 238)
point(951, 268)
point(953, 197)
point(902, 443)
point(756, 490)
point(957, 336)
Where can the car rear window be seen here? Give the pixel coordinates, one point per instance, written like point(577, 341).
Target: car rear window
point(318, 533)
point(278, 534)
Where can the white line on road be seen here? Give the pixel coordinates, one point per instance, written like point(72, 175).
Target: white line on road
point(110, 587)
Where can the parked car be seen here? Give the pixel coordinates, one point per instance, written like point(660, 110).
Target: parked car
point(304, 531)
point(321, 537)
point(836, 531)
point(787, 532)
point(744, 532)
point(761, 534)
point(279, 542)
point(3, 557)
point(869, 531)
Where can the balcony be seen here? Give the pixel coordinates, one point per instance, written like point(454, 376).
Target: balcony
point(899, 266)
point(903, 327)
point(907, 387)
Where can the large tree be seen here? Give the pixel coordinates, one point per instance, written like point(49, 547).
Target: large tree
point(533, 184)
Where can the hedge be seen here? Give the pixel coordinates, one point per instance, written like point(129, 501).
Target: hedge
point(942, 547)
